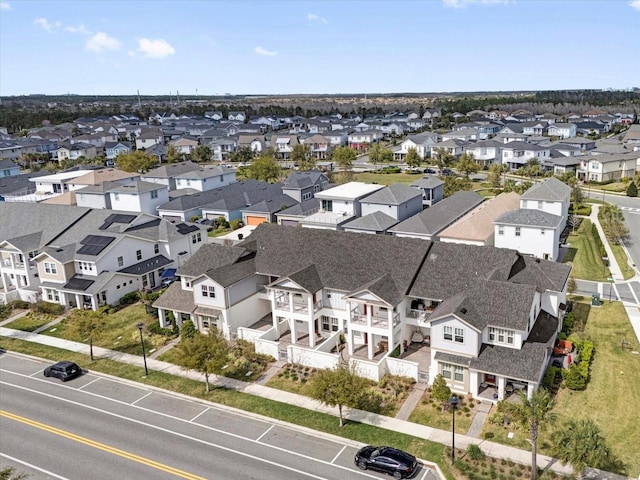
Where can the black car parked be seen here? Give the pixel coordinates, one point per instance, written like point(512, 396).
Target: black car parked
point(430, 170)
point(63, 370)
point(447, 172)
point(387, 460)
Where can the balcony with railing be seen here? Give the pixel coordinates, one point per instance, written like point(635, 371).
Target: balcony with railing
point(378, 320)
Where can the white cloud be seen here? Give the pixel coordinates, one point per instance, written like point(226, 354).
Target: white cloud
point(464, 3)
point(635, 4)
point(264, 52)
point(48, 26)
point(5, 6)
point(155, 48)
point(312, 17)
point(79, 29)
point(101, 41)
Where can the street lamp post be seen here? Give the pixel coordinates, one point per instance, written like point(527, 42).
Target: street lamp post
point(453, 401)
point(144, 356)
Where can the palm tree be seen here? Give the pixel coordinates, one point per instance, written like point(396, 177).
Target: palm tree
point(581, 444)
point(530, 414)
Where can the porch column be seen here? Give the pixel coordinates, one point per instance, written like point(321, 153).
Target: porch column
point(310, 305)
point(501, 385)
point(370, 344)
point(312, 335)
point(292, 327)
point(78, 301)
point(530, 389)
point(178, 318)
point(162, 318)
point(94, 303)
point(4, 282)
point(350, 342)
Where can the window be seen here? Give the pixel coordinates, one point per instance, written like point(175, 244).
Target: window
point(542, 231)
point(327, 205)
point(500, 335)
point(325, 323)
point(154, 194)
point(524, 204)
point(459, 335)
point(221, 178)
point(458, 375)
point(540, 203)
point(50, 268)
point(120, 261)
point(446, 370)
point(334, 324)
point(517, 231)
point(139, 254)
point(208, 291)
point(500, 230)
point(196, 237)
point(448, 333)
point(156, 249)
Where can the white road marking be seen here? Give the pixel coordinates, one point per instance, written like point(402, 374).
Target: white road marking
point(338, 454)
point(182, 435)
point(202, 412)
point(265, 432)
point(142, 397)
point(92, 381)
point(31, 465)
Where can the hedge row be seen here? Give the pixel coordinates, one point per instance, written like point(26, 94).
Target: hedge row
point(598, 240)
point(578, 375)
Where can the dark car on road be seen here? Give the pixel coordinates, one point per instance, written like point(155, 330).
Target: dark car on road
point(63, 370)
point(387, 460)
point(447, 172)
point(430, 170)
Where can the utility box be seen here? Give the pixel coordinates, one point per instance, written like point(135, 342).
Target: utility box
point(595, 300)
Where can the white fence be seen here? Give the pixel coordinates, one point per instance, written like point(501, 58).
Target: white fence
point(403, 368)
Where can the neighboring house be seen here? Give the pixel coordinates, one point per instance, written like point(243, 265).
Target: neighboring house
point(319, 146)
point(256, 143)
point(237, 117)
point(337, 138)
point(517, 154)
point(632, 137)
point(166, 174)
point(376, 223)
point(73, 151)
point(58, 182)
point(584, 144)
point(551, 196)
point(113, 149)
point(398, 201)
point(19, 186)
point(139, 196)
point(283, 145)
point(491, 316)
point(607, 166)
point(291, 216)
point(265, 210)
point(531, 232)
point(302, 186)
point(206, 178)
point(476, 227)
point(226, 202)
point(184, 145)
point(466, 134)
point(562, 130)
point(421, 142)
point(222, 148)
point(96, 177)
point(8, 169)
point(535, 128)
point(454, 146)
point(428, 224)
point(148, 139)
point(339, 205)
point(431, 187)
point(485, 152)
point(364, 139)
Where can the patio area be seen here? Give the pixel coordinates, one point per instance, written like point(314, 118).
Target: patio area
point(419, 353)
point(303, 340)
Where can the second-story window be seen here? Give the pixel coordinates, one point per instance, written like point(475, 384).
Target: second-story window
point(500, 230)
point(154, 194)
point(196, 237)
point(448, 333)
point(50, 268)
point(120, 261)
point(208, 291)
point(458, 335)
point(517, 231)
point(139, 254)
point(156, 249)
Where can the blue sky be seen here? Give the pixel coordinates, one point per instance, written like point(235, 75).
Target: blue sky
point(269, 47)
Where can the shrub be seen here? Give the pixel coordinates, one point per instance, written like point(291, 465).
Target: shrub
point(158, 330)
point(488, 435)
point(632, 190)
point(130, 298)
point(47, 308)
point(550, 376)
point(20, 305)
point(235, 224)
point(575, 381)
point(598, 240)
point(188, 330)
point(5, 312)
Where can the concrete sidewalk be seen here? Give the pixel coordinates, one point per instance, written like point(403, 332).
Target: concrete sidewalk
point(421, 431)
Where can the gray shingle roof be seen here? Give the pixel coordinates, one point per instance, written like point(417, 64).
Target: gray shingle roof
point(148, 265)
point(441, 215)
point(374, 222)
point(137, 187)
point(230, 274)
point(300, 180)
point(427, 181)
point(210, 256)
point(171, 170)
point(525, 364)
point(529, 217)
point(174, 298)
point(552, 190)
point(395, 194)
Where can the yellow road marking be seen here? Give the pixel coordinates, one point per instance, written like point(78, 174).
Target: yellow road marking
point(102, 446)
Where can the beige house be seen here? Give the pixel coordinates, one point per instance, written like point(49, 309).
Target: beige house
point(476, 227)
point(608, 166)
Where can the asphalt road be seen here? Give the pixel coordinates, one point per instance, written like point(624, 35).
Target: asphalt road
point(103, 428)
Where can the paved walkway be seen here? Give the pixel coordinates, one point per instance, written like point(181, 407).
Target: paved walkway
point(411, 402)
point(421, 431)
point(479, 418)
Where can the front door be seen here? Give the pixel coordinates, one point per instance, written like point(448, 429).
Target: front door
point(152, 279)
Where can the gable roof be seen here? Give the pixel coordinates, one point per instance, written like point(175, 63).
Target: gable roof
point(551, 189)
point(529, 217)
point(395, 194)
point(210, 256)
point(172, 169)
point(374, 222)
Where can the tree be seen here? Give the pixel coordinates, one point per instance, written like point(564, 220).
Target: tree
point(582, 444)
point(612, 220)
point(265, 168)
point(344, 157)
point(453, 184)
point(467, 164)
point(493, 177)
point(202, 153)
point(531, 414)
point(379, 154)
point(339, 387)
point(204, 353)
point(412, 159)
point(86, 325)
point(533, 168)
point(442, 158)
point(301, 156)
point(440, 391)
point(136, 162)
point(188, 330)
point(173, 156)
point(632, 190)
point(243, 154)
point(9, 473)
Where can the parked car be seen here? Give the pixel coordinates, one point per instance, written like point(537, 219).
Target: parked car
point(447, 172)
point(430, 170)
point(63, 370)
point(387, 460)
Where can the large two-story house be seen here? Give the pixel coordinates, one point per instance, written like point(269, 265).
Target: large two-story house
point(480, 316)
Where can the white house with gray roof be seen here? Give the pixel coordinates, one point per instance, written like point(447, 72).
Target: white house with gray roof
point(551, 196)
point(431, 187)
point(165, 174)
point(532, 232)
point(397, 201)
point(206, 178)
point(139, 197)
point(485, 318)
point(517, 154)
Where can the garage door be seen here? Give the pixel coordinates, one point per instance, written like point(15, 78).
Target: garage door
point(290, 223)
point(255, 220)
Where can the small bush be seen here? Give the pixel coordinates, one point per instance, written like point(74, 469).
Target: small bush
point(488, 435)
point(47, 308)
point(20, 305)
point(158, 330)
point(130, 298)
point(5, 312)
point(475, 452)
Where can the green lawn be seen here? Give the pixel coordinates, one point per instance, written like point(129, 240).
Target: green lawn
point(432, 415)
point(121, 334)
point(369, 434)
point(31, 322)
point(623, 261)
point(612, 397)
point(387, 179)
point(584, 255)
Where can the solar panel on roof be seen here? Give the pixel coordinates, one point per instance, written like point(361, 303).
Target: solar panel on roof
point(183, 228)
point(116, 218)
point(94, 244)
point(78, 284)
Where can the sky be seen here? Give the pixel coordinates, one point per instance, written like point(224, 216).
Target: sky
point(161, 47)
